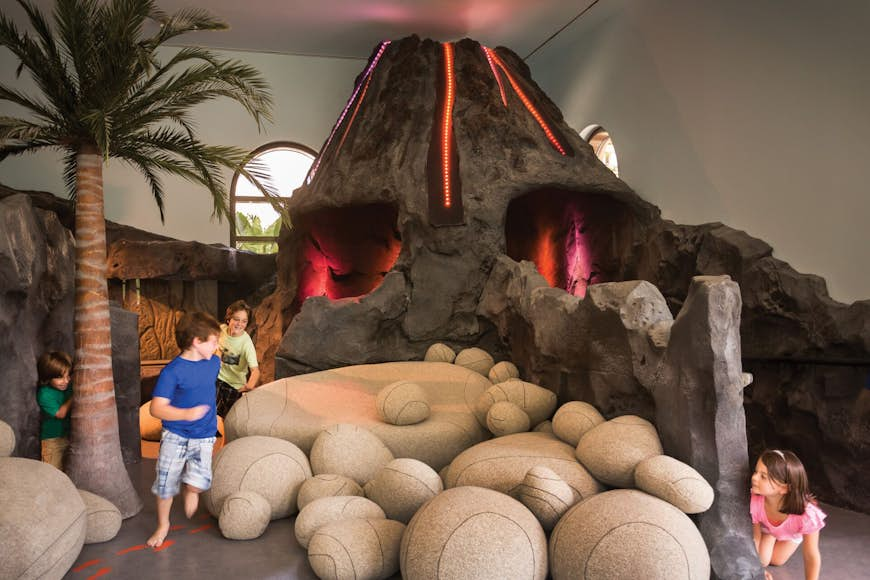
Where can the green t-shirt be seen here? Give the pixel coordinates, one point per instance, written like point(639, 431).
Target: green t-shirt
point(50, 400)
point(237, 356)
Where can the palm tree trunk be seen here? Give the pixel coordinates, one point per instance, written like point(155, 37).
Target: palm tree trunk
point(95, 463)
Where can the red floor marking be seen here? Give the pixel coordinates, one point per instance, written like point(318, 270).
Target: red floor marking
point(131, 549)
point(84, 565)
point(177, 527)
point(201, 529)
point(100, 572)
point(164, 545)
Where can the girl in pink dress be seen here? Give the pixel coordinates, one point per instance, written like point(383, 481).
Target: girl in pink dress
point(784, 512)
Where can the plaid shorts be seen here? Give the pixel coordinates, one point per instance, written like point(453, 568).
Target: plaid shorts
point(182, 460)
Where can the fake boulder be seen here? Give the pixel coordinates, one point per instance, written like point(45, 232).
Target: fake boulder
point(611, 450)
point(7, 439)
point(402, 486)
point(244, 516)
point(349, 450)
point(546, 495)
point(356, 549)
point(675, 482)
point(333, 509)
point(573, 419)
point(103, 518)
point(326, 485)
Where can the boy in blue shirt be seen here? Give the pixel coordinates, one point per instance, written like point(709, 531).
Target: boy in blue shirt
point(54, 397)
point(184, 399)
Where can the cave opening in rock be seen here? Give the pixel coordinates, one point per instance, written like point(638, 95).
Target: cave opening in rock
point(574, 239)
point(345, 252)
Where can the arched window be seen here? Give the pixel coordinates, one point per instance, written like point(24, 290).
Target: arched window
point(255, 223)
point(601, 142)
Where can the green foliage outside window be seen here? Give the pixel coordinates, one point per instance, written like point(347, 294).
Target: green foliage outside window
point(251, 225)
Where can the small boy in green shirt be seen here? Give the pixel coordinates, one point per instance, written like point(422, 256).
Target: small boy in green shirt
point(54, 396)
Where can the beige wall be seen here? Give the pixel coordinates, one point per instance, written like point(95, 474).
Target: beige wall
point(749, 112)
point(309, 95)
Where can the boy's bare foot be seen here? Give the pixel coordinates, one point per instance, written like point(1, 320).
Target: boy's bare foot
point(191, 502)
point(156, 539)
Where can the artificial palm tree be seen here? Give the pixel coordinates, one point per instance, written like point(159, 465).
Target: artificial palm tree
point(105, 91)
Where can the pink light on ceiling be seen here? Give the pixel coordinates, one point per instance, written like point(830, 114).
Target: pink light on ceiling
point(363, 83)
point(551, 136)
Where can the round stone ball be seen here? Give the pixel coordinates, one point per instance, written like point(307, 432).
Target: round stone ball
point(611, 450)
point(7, 439)
point(675, 482)
point(244, 516)
point(150, 427)
point(503, 371)
point(403, 403)
point(439, 352)
point(544, 427)
point(546, 495)
point(475, 359)
point(595, 538)
point(472, 532)
point(326, 485)
point(356, 549)
point(42, 517)
point(104, 519)
point(402, 486)
point(538, 402)
point(573, 419)
point(505, 418)
point(271, 467)
point(349, 450)
point(333, 509)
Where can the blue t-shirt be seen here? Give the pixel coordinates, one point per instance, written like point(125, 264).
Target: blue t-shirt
point(187, 384)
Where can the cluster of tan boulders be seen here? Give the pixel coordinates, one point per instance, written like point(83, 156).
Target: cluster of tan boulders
point(567, 498)
point(44, 518)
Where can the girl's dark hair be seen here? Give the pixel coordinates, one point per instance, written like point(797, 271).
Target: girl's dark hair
point(53, 365)
point(195, 325)
point(238, 306)
point(785, 467)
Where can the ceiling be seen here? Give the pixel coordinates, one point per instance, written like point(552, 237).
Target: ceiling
point(352, 28)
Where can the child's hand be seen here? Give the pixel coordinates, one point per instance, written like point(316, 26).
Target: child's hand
point(198, 412)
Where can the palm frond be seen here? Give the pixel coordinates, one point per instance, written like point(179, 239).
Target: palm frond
point(70, 167)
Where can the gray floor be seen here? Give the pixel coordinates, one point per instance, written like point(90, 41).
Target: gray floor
point(196, 548)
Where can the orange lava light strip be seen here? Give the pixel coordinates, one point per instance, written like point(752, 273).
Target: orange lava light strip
point(531, 108)
point(488, 52)
point(447, 123)
point(371, 67)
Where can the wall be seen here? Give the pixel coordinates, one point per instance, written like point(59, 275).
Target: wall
point(309, 95)
point(750, 113)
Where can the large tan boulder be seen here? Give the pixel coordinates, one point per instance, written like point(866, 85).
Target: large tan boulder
point(356, 549)
point(503, 371)
point(326, 485)
point(103, 518)
point(299, 408)
point(546, 495)
point(349, 450)
point(42, 518)
point(573, 419)
point(271, 467)
point(475, 359)
point(626, 533)
point(538, 402)
point(245, 515)
point(675, 482)
point(402, 486)
point(474, 533)
point(403, 403)
point(440, 352)
point(7, 439)
point(611, 450)
point(333, 509)
point(502, 464)
point(506, 418)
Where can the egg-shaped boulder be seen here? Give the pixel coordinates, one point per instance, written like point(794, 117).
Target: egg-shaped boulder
point(7, 439)
point(104, 519)
point(271, 467)
point(675, 482)
point(440, 352)
point(503, 371)
point(356, 549)
point(475, 359)
point(546, 495)
point(326, 485)
point(593, 540)
point(537, 402)
point(403, 403)
point(402, 486)
point(349, 450)
point(573, 419)
point(245, 515)
point(506, 418)
point(332, 509)
point(43, 520)
point(611, 450)
point(472, 532)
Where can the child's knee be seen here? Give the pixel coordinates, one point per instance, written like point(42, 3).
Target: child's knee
point(191, 489)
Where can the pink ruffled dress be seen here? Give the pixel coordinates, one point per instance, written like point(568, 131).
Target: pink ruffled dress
point(792, 528)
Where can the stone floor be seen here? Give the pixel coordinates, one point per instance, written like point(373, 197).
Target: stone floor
point(195, 548)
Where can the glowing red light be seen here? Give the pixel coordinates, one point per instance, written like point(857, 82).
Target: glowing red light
point(488, 52)
point(447, 123)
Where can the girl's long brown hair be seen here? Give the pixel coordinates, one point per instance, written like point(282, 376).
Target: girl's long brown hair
point(785, 467)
